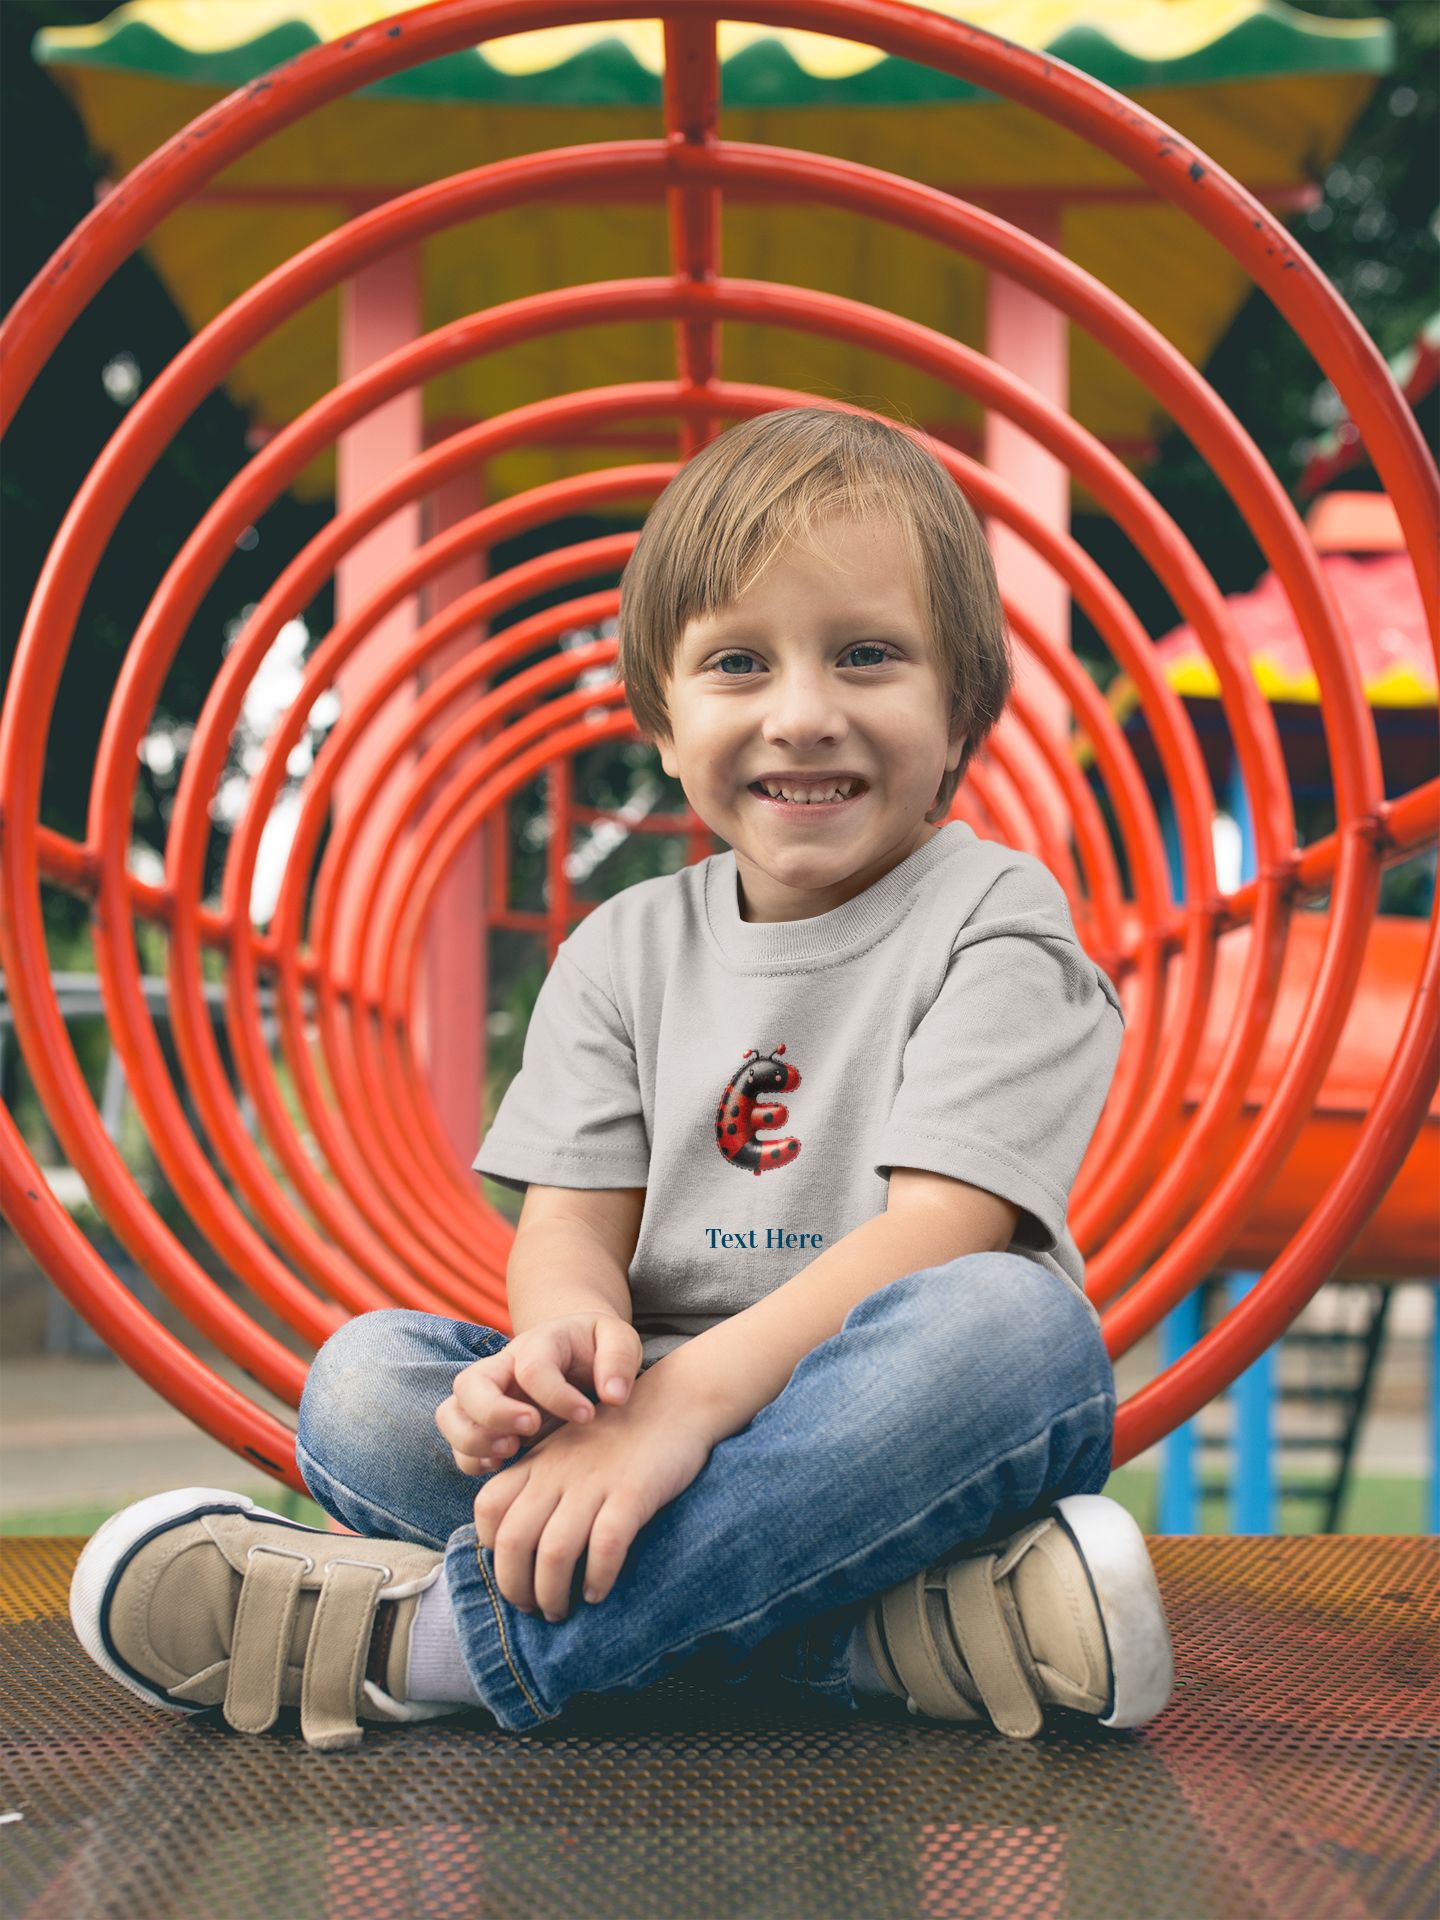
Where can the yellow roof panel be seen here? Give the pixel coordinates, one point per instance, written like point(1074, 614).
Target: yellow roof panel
point(1276, 129)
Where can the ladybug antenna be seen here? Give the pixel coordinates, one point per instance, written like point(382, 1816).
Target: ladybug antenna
point(749, 1054)
point(779, 1050)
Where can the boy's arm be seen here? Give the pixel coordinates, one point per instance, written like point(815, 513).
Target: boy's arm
point(570, 1308)
point(572, 1254)
point(590, 1491)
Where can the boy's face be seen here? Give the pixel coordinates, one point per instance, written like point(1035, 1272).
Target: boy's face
point(809, 723)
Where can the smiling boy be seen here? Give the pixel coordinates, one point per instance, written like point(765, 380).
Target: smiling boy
point(803, 1381)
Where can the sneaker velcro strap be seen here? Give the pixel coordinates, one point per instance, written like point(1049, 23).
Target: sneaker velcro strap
point(335, 1658)
point(879, 1651)
point(987, 1642)
point(261, 1634)
point(916, 1658)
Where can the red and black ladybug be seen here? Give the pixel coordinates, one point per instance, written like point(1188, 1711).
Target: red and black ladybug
point(747, 1104)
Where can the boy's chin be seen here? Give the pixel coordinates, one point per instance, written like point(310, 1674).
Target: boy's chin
point(808, 870)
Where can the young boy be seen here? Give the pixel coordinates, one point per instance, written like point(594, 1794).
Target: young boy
point(803, 1381)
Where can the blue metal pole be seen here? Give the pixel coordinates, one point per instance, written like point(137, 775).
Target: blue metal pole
point(1237, 805)
point(1252, 1486)
point(1170, 839)
point(1179, 1331)
point(1253, 1501)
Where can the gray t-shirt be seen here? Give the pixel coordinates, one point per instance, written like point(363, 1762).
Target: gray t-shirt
point(761, 1080)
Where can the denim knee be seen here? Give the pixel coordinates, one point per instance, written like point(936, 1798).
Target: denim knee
point(998, 1326)
point(375, 1384)
point(342, 1374)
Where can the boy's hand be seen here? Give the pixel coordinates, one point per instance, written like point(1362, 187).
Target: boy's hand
point(587, 1493)
point(537, 1383)
point(588, 1489)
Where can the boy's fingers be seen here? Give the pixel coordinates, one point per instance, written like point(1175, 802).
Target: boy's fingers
point(494, 1501)
point(469, 1441)
point(516, 1539)
point(457, 1428)
point(560, 1546)
point(516, 1417)
point(617, 1361)
point(487, 1398)
point(612, 1534)
point(539, 1376)
point(491, 1456)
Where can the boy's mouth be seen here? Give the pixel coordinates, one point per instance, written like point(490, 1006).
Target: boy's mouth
point(814, 791)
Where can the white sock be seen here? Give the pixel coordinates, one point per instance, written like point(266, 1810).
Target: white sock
point(864, 1674)
point(437, 1666)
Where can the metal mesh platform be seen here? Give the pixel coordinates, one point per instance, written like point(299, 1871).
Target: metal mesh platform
point(1296, 1772)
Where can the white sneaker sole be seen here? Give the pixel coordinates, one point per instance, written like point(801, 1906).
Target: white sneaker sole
point(1142, 1663)
point(111, 1544)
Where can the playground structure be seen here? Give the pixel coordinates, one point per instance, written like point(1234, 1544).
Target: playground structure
point(345, 1192)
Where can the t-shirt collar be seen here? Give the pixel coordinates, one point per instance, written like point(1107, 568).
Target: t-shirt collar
point(828, 936)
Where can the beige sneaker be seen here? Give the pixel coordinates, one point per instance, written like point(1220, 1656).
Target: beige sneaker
point(1064, 1613)
point(200, 1598)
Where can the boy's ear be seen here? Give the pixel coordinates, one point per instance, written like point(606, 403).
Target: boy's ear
point(955, 752)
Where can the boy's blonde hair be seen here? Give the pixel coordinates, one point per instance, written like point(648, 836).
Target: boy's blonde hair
point(726, 515)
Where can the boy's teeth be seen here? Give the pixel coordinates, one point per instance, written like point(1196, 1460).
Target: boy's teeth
point(809, 796)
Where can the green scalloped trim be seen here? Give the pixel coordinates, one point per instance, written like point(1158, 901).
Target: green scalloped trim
point(604, 75)
point(1267, 45)
point(135, 47)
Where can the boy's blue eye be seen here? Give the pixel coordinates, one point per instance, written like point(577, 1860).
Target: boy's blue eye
point(866, 657)
point(736, 663)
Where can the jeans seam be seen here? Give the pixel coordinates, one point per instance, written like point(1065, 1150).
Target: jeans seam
point(538, 1712)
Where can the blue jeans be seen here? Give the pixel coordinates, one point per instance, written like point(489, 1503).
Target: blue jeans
point(950, 1405)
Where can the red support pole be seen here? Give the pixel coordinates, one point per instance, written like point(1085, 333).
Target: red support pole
point(379, 312)
point(457, 957)
point(692, 112)
point(1030, 337)
point(559, 797)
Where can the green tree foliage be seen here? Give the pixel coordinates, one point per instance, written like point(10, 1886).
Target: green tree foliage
point(1375, 235)
point(126, 336)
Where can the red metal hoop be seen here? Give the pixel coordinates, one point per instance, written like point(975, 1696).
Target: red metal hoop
point(390, 1218)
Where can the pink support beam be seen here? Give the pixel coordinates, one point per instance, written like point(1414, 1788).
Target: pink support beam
point(1030, 338)
point(379, 311)
point(456, 952)
point(692, 110)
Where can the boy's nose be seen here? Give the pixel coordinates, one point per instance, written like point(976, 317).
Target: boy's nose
point(804, 713)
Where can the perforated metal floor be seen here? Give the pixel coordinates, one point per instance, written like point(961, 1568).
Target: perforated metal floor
point(1296, 1772)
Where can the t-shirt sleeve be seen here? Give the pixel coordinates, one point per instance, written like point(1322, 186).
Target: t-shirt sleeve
point(572, 1116)
point(1005, 1074)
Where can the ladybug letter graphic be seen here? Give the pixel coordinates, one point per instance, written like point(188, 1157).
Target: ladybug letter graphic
point(749, 1103)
